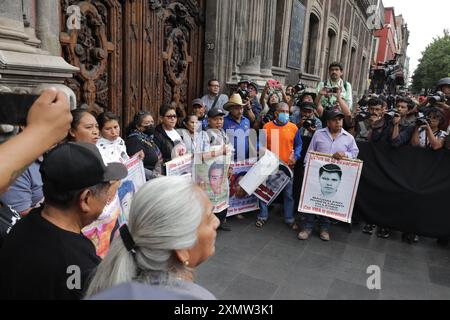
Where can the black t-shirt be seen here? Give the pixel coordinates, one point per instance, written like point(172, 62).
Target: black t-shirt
point(38, 259)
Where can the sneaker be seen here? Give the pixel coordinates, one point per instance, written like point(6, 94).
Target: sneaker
point(383, 233)
point(324, 235)
point(368, 229)
point(305, 234)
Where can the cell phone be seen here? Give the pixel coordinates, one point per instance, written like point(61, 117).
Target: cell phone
point(14, 107)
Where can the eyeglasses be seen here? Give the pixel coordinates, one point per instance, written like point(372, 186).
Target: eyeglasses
point(171, 117)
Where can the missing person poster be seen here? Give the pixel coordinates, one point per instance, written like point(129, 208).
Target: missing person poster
point(115, 213)
point(239, 204)
point(211, 174)
point(274, 185)
point(181, 166)
point(330, 187)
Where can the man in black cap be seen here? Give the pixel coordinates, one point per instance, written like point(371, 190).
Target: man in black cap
point(46, 256)
point(332, 140)
point(199, 109)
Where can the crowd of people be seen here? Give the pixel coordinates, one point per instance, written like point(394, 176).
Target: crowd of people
point(64, 167)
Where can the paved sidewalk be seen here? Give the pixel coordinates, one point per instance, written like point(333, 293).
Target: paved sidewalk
point(270, 263)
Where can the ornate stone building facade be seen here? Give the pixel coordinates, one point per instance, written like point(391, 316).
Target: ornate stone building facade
point(131, 55)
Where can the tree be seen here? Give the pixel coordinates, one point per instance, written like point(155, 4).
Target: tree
point(434, 64)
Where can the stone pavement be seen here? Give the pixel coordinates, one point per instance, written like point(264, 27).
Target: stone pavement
point(271, 264)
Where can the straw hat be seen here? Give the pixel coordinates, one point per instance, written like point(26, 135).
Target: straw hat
point(235, 100)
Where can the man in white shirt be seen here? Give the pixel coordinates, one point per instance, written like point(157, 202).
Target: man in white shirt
point(214, 99)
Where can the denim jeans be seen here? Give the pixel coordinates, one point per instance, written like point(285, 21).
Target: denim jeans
point(288, 203)
point(309, 221)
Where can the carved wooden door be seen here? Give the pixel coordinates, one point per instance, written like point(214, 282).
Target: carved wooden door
point(135, 54)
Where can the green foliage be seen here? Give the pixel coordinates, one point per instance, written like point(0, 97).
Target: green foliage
point(434, 64)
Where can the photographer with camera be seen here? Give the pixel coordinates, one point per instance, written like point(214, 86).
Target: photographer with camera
point(370, 116)
point(249, 96)
point(396, 130)
point(427, 133)
point(335, 92)
point(440, 99)
point(276, 94)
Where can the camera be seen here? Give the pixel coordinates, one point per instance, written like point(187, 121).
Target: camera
point(309, 124)
point(422, 121)
point(244, 93)
point(332, 89)
point(300, 87)
point(364, 114)
point(392, 114)
point(437, 97)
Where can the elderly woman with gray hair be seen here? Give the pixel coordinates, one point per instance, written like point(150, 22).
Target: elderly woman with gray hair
point(165, 240)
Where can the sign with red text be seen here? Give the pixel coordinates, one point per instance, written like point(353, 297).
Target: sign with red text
point(330, 186)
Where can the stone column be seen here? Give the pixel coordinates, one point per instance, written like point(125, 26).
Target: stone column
point(29, 21)
point(270, 8)
point(47, 25)
point(251, 65)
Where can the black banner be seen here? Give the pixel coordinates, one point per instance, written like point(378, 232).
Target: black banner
point(406, 189)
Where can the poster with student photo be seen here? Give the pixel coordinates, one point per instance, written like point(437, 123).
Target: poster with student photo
point(211, 175)
point(238, 204)
point(116, 211)
point(330, 187)
point(274, 184)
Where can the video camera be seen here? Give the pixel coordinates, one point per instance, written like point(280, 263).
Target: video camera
point(422, 120)
point(392, 113)
point(437, 97)
point(309, 124)
point(244, 93)
point(364, 114)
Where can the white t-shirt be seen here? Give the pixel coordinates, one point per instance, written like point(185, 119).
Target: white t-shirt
point(174, 135)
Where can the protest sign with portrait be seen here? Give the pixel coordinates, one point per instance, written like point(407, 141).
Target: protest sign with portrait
point(239, 204)
point(211, 174)
point(330, 187)
point(274, 185)
point(116, 211)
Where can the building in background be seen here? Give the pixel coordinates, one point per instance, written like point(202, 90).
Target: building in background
point(131, 55)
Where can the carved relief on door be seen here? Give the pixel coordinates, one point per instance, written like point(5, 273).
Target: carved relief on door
point(95, 48)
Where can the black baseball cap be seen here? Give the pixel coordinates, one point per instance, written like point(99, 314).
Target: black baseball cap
point(215, 112)
point(329, 115)
point(76, 166)
point(307, 106)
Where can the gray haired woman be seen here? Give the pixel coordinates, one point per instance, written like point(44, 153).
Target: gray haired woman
point(163, 243)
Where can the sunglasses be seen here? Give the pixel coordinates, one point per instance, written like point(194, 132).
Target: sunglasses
point(171, 117)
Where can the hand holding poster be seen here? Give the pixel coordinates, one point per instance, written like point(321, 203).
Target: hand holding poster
point(181, 166)
point(259, 173)
point(274, 185)
point(239, 204)
point(330, 187)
